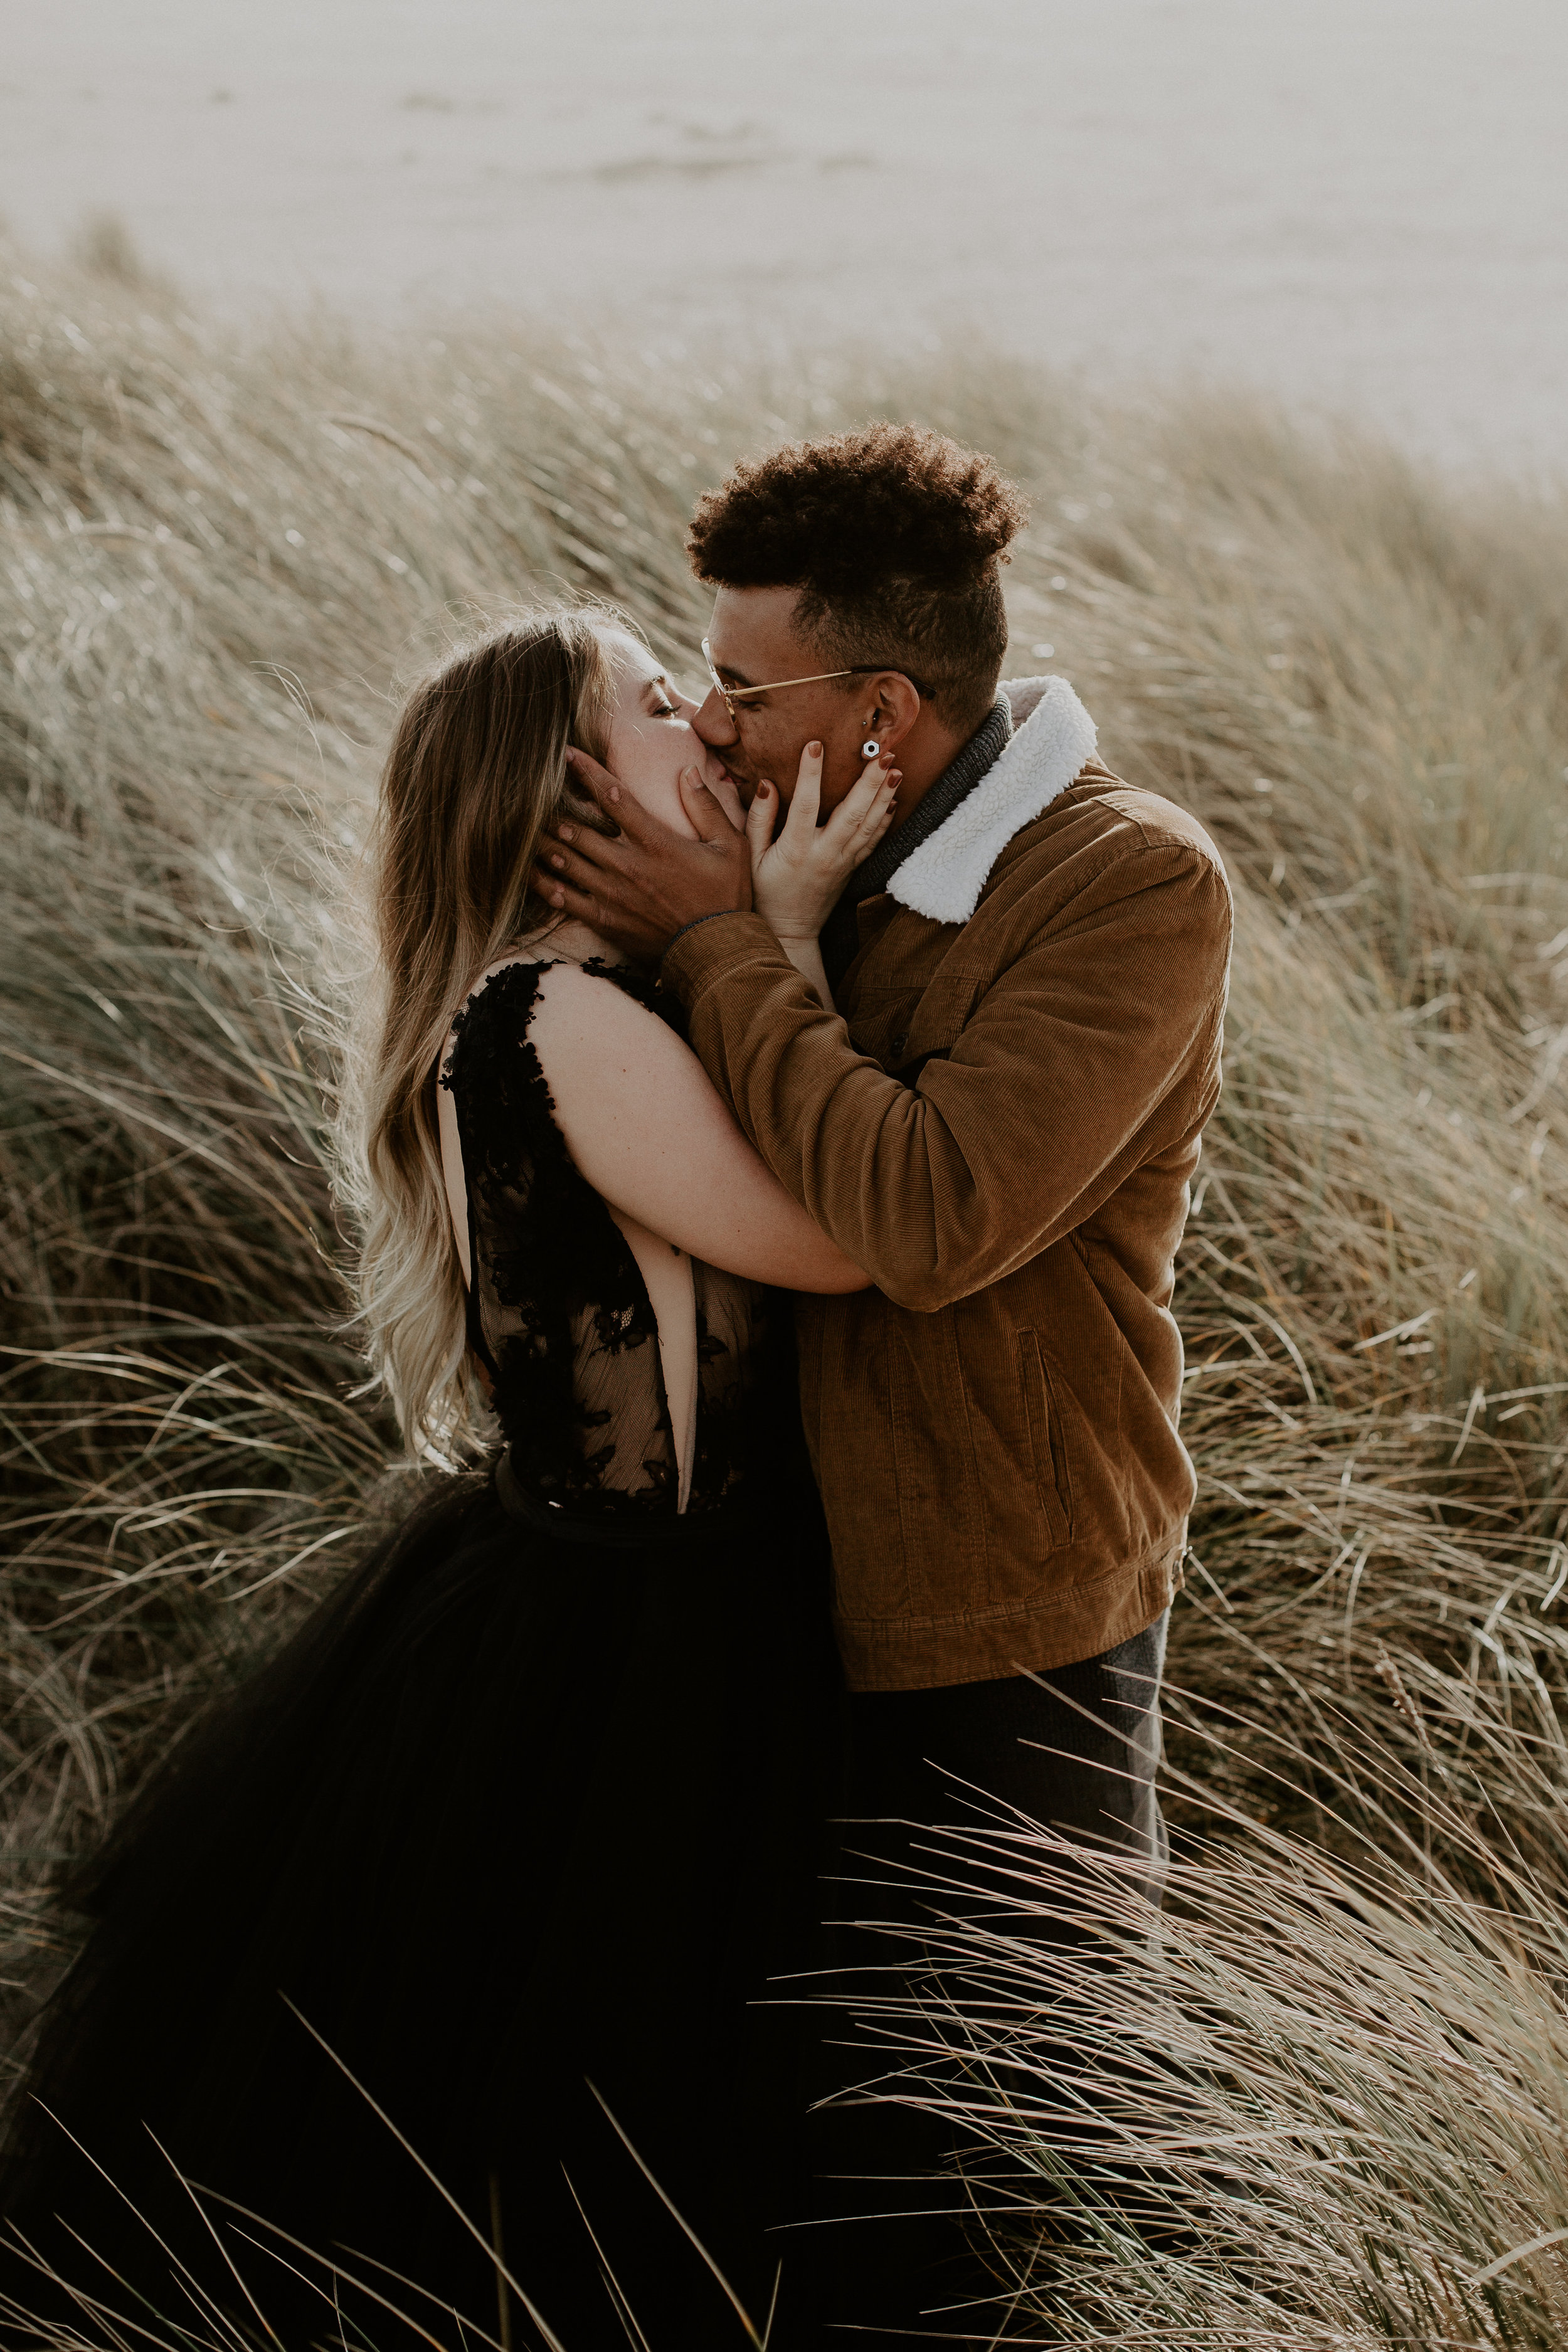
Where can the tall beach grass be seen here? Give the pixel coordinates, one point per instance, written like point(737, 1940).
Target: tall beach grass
point(219, 552)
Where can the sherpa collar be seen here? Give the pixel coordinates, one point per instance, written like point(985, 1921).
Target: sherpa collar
point(943, 878)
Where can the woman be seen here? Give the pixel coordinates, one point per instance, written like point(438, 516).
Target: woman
point(511, 1837)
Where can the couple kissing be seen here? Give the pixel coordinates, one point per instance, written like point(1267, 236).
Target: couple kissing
point(768, 1146)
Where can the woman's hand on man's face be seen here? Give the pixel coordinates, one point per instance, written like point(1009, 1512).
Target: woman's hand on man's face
point(641, 887)
point(796, 878)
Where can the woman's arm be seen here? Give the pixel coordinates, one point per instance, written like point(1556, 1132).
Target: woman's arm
point(797, 879)
point(807, 957)
point(646, 1128)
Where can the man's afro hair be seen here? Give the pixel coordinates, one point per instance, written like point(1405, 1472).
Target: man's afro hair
point(838, 517)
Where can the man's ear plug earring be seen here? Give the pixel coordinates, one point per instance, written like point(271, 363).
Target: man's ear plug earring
point(869, 750)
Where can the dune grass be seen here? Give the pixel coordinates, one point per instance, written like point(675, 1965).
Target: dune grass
point(220, 553)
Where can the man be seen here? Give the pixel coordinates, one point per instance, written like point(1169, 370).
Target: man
point(999, 1119)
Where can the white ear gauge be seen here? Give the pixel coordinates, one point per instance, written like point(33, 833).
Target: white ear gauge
point(869, 750)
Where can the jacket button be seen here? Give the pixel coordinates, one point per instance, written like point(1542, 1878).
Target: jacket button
point(900, 1041)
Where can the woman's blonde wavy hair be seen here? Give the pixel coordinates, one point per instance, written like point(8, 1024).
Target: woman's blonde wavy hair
point(476, 773)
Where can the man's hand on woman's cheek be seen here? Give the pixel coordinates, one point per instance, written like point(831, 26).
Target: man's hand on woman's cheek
point(642, 886)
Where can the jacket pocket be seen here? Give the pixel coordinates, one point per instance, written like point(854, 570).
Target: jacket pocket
point(936, 1023)
point(903, 1028)
point(1053, 1479)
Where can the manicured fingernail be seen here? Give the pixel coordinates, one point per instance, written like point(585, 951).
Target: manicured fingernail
point(559, 864)
point(762, 790)
point(565, 834)
point(615, 792)
point(813, 750)
point(571, 750)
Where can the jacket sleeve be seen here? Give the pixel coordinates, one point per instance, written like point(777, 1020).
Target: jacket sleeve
point(1108, 1015)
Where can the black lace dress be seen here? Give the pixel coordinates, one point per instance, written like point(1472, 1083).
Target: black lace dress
point(520, 1823)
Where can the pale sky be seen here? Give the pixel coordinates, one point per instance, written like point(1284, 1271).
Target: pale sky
point(1357, 203)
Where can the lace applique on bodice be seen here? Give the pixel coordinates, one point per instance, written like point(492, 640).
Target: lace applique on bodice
point(559, 1313)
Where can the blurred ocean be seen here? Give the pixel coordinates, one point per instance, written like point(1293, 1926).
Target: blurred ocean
point(1356, 204)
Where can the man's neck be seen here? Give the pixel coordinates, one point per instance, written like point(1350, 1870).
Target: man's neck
point(940, 795)
point(926, 753)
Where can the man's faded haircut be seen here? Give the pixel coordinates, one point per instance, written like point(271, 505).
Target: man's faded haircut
point(893, 537)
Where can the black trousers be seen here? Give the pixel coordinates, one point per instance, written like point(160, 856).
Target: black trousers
point(1076, 1750)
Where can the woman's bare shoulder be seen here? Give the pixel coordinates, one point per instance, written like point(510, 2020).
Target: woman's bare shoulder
point(589, 1008)
point(573, 973)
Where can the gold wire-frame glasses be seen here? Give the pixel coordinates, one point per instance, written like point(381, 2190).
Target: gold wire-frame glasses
point(731, 695)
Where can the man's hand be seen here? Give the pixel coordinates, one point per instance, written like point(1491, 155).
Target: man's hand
point(639, 889)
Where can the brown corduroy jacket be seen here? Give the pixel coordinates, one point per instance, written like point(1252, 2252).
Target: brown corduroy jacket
point(1000, 1124)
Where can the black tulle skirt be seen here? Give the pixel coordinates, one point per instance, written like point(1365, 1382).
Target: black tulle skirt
point(513, 1841)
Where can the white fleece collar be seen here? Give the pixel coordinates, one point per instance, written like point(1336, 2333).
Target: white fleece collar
point(943, 878)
